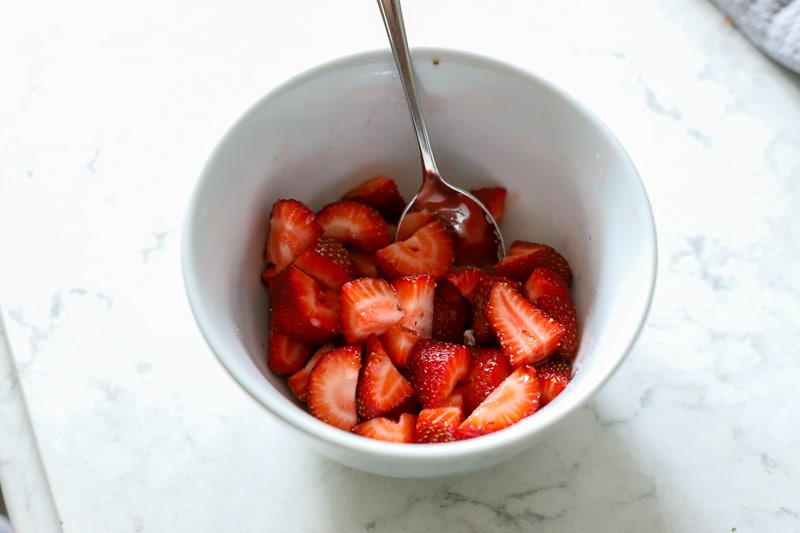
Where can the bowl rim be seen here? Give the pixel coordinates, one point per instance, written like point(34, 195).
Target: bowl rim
point(310, 426)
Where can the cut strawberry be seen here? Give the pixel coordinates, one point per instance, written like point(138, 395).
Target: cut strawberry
point(494, 199)
point(403, 430)
point(416, 296)
point(328, 262)
point(298, 382)
point(554, 375)
point(301, 309)
point(364, 263)
point(544, 281)
point(563, 310)
point(381, 387)
point(524, 257)
point(412, 222)
point(465, 278)
point(526, 334)
point(284, 354)
point(514, 399)
point(482, 329)
point(456, 398)
point(428, 251)
point(438, 424)
point(380, 193)
point(332, 387)
point(490, 367)
point(367, 306)
point(293, 228)
point(398, 341)
point(355, 224)
point(451, 313)
point(433, 369)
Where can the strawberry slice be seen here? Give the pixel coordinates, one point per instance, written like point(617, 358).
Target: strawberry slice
point(292, 229)
point(364, 263)
point(284, 354)
point(451, 313)
point(428, 251)
point(433, 369)
point(398, 341)
point(380, 193)
point(412, 222)
point(401, 430)
point(524, 257)
point(367, 306)
point(298, 382)
point(490, 367)
point(494, 199)
point(526, 334)
point(554, 374)
point(456, 398)
point(301, 309)
point(465, 278)
point(514, 399)
point(563, 310)
point(332, 387)
point(355, 224)
point(544, 281)
point(381, 387)
point(328, 262)
point(482, 328)
point(438, 424)
point(416, 296)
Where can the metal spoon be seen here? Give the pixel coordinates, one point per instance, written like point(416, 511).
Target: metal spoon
point(476, 236)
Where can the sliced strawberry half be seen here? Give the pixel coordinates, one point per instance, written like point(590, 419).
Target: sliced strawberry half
point(332, 387)
point(494, 199)
point(364, 263)
point(381, 387)
point(438, 424)
point(416, 297)
point(481, 327)
point(524, 257)
point(451, 313)
point(412, 222)
point(298, 382)
point(301, 309)
point(466, 278)
point(563, 310)
point(526, 334)
point(398, 341)
point(490, 367)
point(545, 281)
point(401, 430)
point(367, 306)
point(380, 193)
point(328, 262)
point(514, 399)
point(355, 224)
point(554, 375)
point(434, 368)
point(284, 354)
point(428, 251)
point(293, 228)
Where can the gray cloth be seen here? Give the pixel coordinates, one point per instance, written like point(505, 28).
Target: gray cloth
point(772, 25)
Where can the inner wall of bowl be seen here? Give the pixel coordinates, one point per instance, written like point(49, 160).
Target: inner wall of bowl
point(569, 183)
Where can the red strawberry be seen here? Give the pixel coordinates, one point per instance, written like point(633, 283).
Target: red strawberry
point(355, 224)
point(465, 278)
point(554, 374)
point(298, 382)
point(332, 387)
point(481, 327)
point(438, 424)
point(451, 313)
point(366, 306)
point(381, 387)
point(398, 341)
point(402, 430)
point(364, 263)
point(428, 251)
point(284, 354)
point(301, 309)
point(514, 399)
point(456, 398)
point(328, 262)
point(412, 222)
point(526, 334)
point(563, 310)
point(292, 229)
point(494, 199)
point(433, 369)
point(523, 257)
point(380, 193)
point(545, 281)
point(490, 366)
point(416, 295)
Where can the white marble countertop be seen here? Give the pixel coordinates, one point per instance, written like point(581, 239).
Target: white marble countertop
point(114, 415)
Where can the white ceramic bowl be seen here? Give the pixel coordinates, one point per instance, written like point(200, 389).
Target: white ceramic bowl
point(570, 185)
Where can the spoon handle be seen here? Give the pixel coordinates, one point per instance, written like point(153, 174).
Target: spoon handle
point(395, 29)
